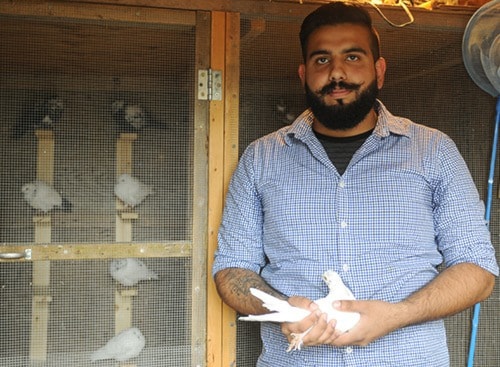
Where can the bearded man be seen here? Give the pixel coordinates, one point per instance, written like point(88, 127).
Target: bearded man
point(349, 187)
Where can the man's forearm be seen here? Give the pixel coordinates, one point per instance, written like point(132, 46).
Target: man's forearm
point(233, 285)
point(454, 290)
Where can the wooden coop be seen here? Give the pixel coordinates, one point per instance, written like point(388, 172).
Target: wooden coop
point(171, 93)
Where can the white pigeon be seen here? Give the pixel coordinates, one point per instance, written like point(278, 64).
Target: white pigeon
point(284, 312)
point(130, 190)
point(129, 272)
point(122, 347)
point(42, 196)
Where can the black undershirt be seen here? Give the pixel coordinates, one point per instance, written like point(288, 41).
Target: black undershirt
point(341, 150)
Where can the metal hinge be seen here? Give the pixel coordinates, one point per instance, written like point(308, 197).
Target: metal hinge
point(210, 85)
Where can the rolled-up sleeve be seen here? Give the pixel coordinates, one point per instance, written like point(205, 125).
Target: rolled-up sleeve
point(461, 231)
point(240, 233)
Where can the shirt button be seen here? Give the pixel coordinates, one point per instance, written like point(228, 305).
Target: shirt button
point(348, 350)
point(342, 184)
point(345, 267)
point(343, 224)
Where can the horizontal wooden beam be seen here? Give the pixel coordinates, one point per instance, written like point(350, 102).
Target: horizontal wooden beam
point(89, 251)
point(99, 12)
point(297, 9)
point(181, 12)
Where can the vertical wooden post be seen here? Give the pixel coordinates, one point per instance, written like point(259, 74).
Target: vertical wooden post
point(198, 309)
point(231, 154)
point(41, 269)
point(216, 195)
point(124, 157)
point(123, 296)
point(123, 308)
point(223, 156)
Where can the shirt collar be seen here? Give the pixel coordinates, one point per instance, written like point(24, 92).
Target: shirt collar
point(387, 124)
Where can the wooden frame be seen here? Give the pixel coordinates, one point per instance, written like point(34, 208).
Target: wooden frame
point(223, 153)
point(41, 252)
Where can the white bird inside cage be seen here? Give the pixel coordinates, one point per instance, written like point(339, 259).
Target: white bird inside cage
point(131, 191)
point(129, 272)
point(44, 197)
point(126, 345)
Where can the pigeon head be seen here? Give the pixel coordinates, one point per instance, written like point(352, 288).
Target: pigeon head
point(135, 116)
point(29, 190)
point(124, 177)
point(137, 334)
point(117, 264)
point(331, 278)
point(53, 111)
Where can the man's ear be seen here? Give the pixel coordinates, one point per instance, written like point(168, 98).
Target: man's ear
point(380, 66)
point(302, 74)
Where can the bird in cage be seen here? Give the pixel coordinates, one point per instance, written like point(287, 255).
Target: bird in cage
point(125, 345)
point(131, 191)
point(281, 106)
point(284, 312)
point(286, 116)
point(43, 113)
point(129, 117)
point(41, 196)
point(129, 272)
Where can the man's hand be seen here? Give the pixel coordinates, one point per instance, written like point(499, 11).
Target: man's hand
point(313, 329)
point(378, 319)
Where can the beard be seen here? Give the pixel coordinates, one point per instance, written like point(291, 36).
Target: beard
point(342, 116)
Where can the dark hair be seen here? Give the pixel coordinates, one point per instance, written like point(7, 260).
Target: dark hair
point(336, 13)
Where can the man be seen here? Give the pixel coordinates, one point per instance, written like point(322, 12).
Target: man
point(349, 187)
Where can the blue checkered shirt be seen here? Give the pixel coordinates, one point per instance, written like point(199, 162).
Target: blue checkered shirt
point(405, 204)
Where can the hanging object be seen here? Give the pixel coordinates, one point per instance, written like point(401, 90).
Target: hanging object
point(481, 55)
point(481, 48)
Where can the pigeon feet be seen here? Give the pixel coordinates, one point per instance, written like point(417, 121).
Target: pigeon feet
point(297, 341)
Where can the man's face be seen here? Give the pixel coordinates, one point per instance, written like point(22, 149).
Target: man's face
point(340, 77)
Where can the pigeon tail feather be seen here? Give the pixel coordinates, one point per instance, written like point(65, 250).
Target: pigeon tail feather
point(99, 354)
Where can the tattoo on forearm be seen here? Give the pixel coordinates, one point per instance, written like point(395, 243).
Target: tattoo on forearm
point(241, 285)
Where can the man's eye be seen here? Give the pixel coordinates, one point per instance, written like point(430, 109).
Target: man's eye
point(352, 58)
point(322, 60)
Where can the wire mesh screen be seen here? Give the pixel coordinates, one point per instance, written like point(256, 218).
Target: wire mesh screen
point(425, 81)
point(83, 103)
point(83, 305)
point(141, 89)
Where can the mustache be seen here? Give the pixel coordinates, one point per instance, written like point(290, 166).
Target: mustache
point(343, 85)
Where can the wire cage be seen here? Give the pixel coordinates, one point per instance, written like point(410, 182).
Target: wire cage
point(83, 102)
